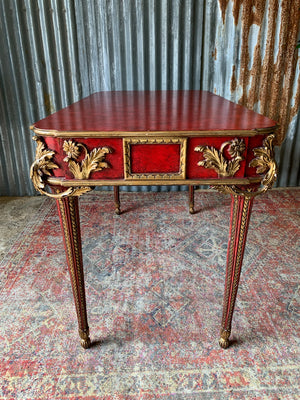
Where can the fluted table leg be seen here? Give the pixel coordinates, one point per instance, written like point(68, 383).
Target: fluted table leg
point(70, 223)
point(240, 216)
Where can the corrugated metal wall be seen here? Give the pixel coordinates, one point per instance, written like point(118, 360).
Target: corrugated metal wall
point(54, 52)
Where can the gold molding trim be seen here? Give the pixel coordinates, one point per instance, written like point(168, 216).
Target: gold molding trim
point(127, 142)
point(93, 161)
point(264, 163)
point(43, 166)
point(56, 181)
point(134, 134)
point(216, 160)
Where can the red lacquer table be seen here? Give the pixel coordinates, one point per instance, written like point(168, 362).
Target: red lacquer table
point(154, 138)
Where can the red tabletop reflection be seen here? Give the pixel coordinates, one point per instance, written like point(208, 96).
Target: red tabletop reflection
point(141, 111)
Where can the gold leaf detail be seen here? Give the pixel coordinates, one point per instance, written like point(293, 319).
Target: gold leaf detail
point(215, 159)
point(236, 148)
point(78, 191)
point(93, 161)
point(43, 164)
point(265, 163)
point(71, 149)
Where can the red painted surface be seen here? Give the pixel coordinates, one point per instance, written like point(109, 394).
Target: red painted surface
point(155, 158)
point(142, 111)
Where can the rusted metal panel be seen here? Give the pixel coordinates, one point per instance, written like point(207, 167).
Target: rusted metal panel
point(252, 59)
point(267, 73)
point(54, 52)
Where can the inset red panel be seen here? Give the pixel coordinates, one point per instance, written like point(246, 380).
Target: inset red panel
point(155, 158)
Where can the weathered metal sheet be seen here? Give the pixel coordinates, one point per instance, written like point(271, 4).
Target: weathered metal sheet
point(54, 52)
point(266, 71)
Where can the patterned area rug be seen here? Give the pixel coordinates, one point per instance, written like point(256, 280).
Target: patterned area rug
point(154, 282)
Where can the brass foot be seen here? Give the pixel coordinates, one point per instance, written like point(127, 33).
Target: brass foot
point(85, 343)
point(192, 211)
point(117, 211)
point(224, 339)
point(85, 338)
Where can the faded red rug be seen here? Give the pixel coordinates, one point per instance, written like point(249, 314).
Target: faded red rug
point(154, 282)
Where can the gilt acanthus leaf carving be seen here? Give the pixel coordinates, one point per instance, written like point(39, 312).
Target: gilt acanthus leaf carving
point(92, 162)
point(43, 164)
point(216, 160)
point(265, 162)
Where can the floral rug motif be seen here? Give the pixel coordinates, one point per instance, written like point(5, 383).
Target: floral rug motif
point(154, 282)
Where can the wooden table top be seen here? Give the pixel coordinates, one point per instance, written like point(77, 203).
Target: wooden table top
point(153, 111)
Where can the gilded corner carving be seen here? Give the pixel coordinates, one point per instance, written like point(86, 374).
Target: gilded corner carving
point(216, 159)
point(264, 162)
point(43, 167)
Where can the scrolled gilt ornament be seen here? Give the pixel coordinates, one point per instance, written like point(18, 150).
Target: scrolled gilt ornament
point(93, 161)
point(216, 160)
point(42, 166)
point(264, 164)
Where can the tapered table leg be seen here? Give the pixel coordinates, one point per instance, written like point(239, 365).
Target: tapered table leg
point(191, 199)
point(240, 216)
point(117, 200)
point(69, 219)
